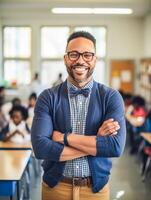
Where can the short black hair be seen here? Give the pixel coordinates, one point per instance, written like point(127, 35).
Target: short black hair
point(2, 88)
point(33, 96)
point(138, 101)
point(21, 109)
point(83, 34)
point(16, 101)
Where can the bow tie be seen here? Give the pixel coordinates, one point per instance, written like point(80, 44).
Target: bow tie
point(74, 92)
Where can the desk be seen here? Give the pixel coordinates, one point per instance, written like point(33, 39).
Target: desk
point(14, 146)
point(13, 164)
point(135, 121)
point(146, 136)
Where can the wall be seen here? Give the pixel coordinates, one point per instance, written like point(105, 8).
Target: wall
point(147, 36)
point(0, 51)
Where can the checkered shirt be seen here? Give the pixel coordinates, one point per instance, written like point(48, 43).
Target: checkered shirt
point(78, 167)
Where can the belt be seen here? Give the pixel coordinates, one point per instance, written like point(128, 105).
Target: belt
point(86, 181)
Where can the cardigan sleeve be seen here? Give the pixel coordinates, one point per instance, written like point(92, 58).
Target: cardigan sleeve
point(42, 129)
point(113, 146)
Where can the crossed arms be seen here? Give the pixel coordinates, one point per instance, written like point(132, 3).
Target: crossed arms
point(81, 145)
point(108, 142)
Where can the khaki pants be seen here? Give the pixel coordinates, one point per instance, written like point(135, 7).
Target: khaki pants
point(65, 191)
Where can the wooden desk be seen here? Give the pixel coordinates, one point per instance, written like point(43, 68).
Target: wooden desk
point(12, 166)
point(15, 146)
point(146, 136)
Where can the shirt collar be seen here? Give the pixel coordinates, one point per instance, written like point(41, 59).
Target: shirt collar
point(88, 85)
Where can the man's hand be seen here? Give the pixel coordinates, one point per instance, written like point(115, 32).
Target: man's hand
point(109, 127)
point(57, 137)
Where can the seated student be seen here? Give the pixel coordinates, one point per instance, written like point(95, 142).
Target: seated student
point(127, 97)
point(16, 130)
point(2, 95)
point(31, 105)
point(136, 119)
point(137, 113)
point(16, 102)
point(3, 120)
point(147, 146)
point(6, 107)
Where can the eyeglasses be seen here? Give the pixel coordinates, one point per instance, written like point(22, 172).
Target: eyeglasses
point(75, 55)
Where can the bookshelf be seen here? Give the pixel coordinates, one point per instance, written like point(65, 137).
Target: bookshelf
point(145, 79)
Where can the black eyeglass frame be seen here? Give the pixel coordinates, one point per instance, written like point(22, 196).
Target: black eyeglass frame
point(80, 54)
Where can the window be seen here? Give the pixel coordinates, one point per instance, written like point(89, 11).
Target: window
point(100, 35)
point(53, 44)
point(53, 41)
point(50, 71)
point(17, 54)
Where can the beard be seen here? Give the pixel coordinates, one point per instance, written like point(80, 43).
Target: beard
point(71, 69)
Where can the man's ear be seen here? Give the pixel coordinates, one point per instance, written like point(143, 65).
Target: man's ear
point(95, 59)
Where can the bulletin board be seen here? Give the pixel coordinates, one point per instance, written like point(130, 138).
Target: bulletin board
point(122, 75)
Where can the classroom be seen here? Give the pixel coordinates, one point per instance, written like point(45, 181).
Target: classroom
point(75, 99)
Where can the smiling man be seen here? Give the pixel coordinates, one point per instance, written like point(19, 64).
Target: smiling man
point(80, 61)
point(78, 126)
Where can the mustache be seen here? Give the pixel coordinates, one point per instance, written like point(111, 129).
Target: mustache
point(78, 66)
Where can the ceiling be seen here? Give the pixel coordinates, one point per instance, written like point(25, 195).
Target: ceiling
point(11, 7)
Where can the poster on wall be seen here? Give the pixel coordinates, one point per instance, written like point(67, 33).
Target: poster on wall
point(126, 76)
point(116, 83)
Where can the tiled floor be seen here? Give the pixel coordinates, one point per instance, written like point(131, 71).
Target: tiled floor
point(125, 182)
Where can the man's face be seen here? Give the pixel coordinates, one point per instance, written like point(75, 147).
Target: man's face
point(80, 69)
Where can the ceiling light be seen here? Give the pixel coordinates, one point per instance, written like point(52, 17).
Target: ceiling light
point(125, 11)
point(72, 10)
point(92, 11)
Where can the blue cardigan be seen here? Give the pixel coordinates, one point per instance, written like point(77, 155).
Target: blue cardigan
point(52, 112)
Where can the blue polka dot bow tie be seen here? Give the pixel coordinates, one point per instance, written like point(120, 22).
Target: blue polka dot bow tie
point(74, 92)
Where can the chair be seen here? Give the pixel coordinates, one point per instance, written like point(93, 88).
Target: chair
point(147, 152)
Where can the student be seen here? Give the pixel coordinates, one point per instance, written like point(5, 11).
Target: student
point(6, 107)
point(31, 106)
point(147, 146)
point(3, 120)
point(2, 95)
point(77, 127)
point(36, 85)
point(16, 130)
point(58, 81)
point(136, 120)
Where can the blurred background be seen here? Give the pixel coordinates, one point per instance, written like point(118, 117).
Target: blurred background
point(33, 36)
point(33, 40)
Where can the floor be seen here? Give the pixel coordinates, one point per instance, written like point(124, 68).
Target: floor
point(126, 182)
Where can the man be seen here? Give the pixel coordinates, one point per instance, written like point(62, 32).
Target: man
point(78, 125)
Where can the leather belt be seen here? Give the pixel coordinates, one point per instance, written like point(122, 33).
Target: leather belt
point(86, 181)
